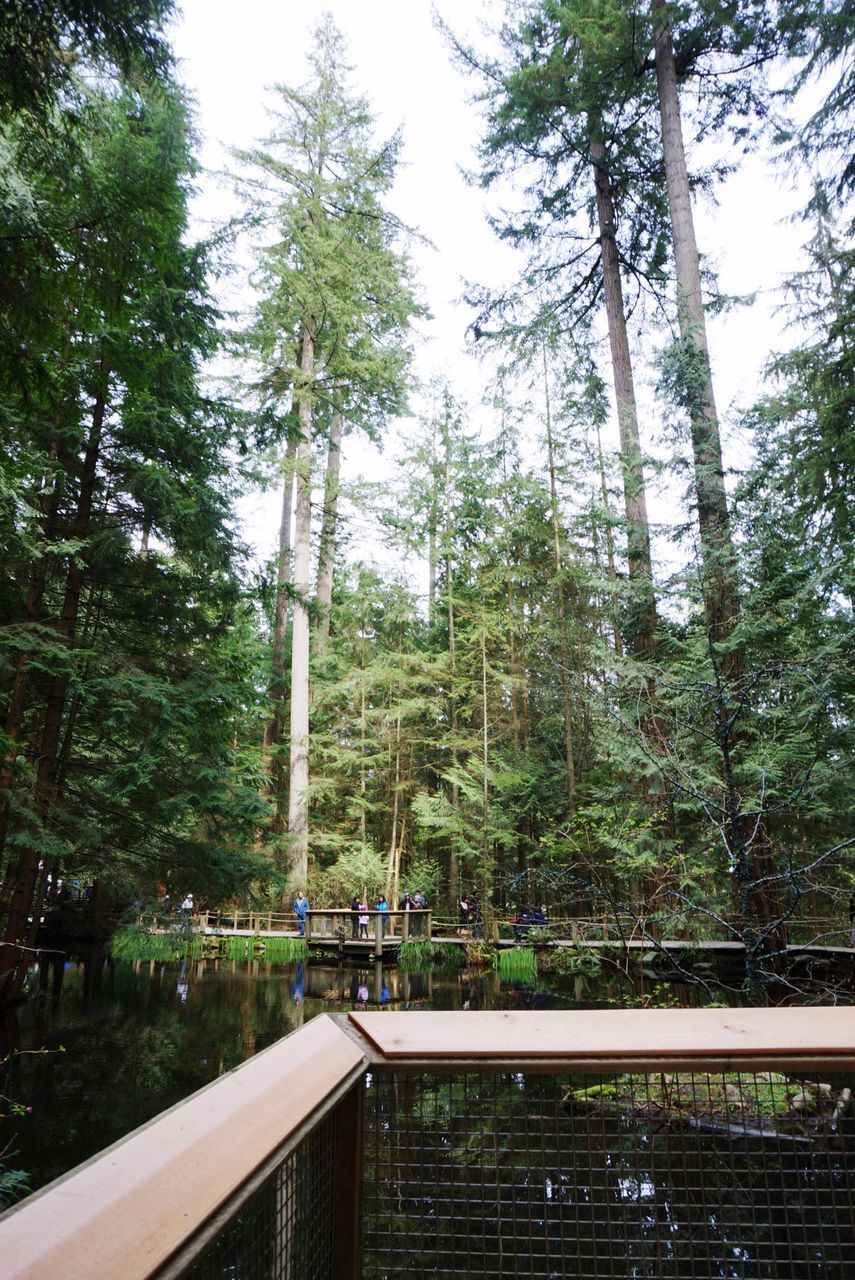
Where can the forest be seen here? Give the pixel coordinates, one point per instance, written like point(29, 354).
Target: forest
point(560, 704)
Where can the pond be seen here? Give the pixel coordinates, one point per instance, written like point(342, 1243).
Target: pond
point(101, 1046)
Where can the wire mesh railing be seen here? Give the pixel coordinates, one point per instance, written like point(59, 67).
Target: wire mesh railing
point(678, 1175)
point(283, 1226)
point(657, 1145)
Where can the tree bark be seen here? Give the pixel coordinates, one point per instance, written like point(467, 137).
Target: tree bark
point(273, 729)
point(393, 872)
point(719, 561)
point(643, 618)
point(453, 866)
point(720, 581)
point(326, 555)
point(490, 929)
point(298, 799)
point(563, 648)
point(610, 546)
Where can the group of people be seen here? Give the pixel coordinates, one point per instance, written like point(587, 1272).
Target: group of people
point(359, 915)
point(359, 911)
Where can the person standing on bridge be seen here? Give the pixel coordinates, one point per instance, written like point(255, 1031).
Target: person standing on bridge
point(382, 905)
point(301, 906)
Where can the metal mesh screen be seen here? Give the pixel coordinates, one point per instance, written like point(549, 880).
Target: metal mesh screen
point(745, 1177)
point(284, 1229)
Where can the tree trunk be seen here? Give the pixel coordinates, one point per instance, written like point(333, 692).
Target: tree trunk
point(394, 867)
point(273, 729)
point(486, 888)
point(453, 866)
point(362, 782)
point(298, 799)
point(23, 915)
point(563, 647)
point(643, 619)
point(610, 546)
point(720, 582)
point(433, 527)
point(326, 556)
point(719, 561)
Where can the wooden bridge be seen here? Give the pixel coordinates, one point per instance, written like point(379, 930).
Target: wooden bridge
point(337, 931)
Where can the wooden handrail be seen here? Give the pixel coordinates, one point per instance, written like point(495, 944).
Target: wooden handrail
point(664, 1036)
point(124, 1213)
point(146, 1205)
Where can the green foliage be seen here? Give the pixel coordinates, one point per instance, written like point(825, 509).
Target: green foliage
point(138, 944)
point(431, 955)
point(517, 964)
point(357, 869)
point(575, 962)
point(480, 954)
point(41, 45)
point(284, 950)
point(734, 1099)
point(14, 1184)
point(240, 949)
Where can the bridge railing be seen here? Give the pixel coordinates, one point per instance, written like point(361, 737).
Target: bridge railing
point(671, 1144)
point(341, 925)
point(810, 931)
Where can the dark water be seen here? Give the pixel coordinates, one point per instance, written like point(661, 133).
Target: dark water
point(100, 1047)
point(539, 1176)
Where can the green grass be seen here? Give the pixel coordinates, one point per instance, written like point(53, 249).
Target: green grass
point(135, 944)
point(178, 944)
point(430, 955)
point(517, 964)
point(238, 948)
point(284, 950)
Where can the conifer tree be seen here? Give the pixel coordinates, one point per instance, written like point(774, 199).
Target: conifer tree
point(115, 458)
point(335, 307)
point(561, 114)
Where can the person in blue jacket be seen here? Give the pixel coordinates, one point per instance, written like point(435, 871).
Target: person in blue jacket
point(301, 906)
point(382, 905)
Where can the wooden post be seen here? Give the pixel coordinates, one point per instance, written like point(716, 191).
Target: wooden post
point(378, 935)
point(347, 1186)
point(235, 922)
point(405, 927)
point(429, 925)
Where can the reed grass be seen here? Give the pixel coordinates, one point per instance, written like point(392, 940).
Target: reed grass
point(134, 944)
point(517, 964)
point(284, 950)
point(238, 948)
point(430, 955)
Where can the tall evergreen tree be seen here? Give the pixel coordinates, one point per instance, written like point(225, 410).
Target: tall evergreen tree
point(115, 468)
point(331, 322)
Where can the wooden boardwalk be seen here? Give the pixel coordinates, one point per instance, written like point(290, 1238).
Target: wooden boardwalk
point(331, 932)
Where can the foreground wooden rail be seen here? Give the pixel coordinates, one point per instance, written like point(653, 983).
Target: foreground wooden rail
point(158, 1202)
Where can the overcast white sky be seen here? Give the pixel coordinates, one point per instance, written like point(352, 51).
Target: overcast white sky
point(231, 52)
